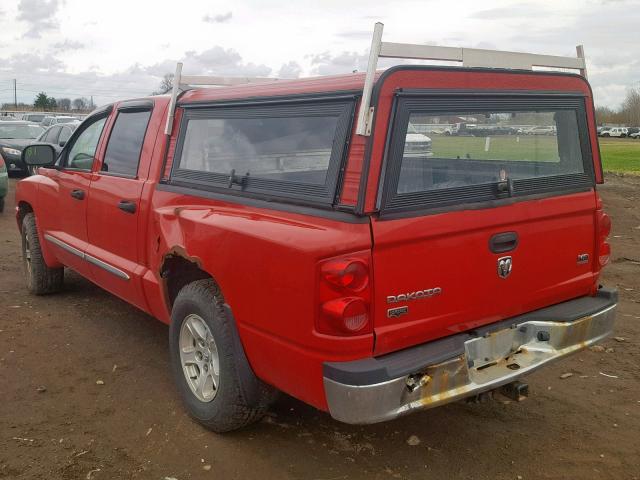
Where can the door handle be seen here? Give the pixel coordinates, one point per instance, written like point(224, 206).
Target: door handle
point(503, 242)
point(127, 206)
point(77, 194)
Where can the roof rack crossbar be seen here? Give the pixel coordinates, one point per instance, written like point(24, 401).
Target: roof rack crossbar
point(469, 57)
point(184, 82)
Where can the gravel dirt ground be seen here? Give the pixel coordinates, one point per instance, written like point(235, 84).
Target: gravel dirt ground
point(86, 393)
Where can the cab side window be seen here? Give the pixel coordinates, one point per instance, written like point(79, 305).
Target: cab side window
point(125, 143)
point(83, 150)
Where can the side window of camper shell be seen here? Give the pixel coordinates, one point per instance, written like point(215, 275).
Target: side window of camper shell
point(278, 151)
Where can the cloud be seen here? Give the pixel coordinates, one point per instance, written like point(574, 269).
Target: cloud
point(290, 70)
point(355, 34)
point(29, 63)
point(516, 11)
point(67, 45)
point(213, 61)
point(83, 55)
point(326, 63)
point(221, 18)
point(39, 16)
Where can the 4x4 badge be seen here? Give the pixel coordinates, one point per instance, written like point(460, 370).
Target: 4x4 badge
point(504, 266)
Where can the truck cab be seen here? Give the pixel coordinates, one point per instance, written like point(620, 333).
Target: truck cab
point(309, 236)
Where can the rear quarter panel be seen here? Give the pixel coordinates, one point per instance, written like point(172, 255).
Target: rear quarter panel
point(265, 262)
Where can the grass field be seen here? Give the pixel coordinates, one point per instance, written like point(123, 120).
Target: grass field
point(620, 155)
point(540, 148)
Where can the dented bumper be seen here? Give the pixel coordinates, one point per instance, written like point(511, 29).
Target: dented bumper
point(378, 389)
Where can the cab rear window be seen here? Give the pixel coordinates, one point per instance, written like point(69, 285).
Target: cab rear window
point(446, 153)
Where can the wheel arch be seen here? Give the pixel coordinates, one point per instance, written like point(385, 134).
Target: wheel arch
point(178, 269)
point(23, 208)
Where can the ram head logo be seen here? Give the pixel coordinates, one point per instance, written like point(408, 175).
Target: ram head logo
point(504, 266)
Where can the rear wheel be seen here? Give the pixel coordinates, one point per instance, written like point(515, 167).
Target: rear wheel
point(214, 378)
point(41, 279)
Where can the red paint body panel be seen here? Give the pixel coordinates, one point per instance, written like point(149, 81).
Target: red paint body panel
point(266, 260)
point(265, 263)
point(451, 251)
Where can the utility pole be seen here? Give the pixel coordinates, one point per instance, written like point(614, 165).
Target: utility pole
point(15, 95)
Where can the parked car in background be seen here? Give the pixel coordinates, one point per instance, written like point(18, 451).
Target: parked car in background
point(547, 130)
point(632, 130)
point(57, 136)
point(51, 120)
point(417, 144)
point(619, 132)
point(14, 136)
point(33, 117)
point(635, 135)
point(4, 183)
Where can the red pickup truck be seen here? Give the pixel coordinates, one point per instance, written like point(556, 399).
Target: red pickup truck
point(327, 238)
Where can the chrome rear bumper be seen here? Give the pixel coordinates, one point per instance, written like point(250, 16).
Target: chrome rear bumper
point(493, 358)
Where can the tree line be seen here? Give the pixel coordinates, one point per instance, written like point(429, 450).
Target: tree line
point(628, 114)
point(46, 103)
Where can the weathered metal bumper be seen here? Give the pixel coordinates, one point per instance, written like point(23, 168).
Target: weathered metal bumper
point(481, 361)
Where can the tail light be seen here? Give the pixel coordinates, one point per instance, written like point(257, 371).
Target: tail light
point(344, 296)
point(603, 229)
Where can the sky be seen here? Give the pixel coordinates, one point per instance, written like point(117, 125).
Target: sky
point(118, 49)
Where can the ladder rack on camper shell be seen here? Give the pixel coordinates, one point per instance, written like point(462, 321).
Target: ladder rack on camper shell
point(183, 82)
point(469, 57)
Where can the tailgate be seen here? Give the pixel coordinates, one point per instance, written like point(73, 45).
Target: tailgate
point(485, 224)
point(451, 280)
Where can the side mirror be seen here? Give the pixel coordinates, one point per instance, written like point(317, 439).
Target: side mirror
point(39, 155)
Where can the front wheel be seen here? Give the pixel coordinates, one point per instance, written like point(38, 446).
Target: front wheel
point(214, 378)
point(41, 279)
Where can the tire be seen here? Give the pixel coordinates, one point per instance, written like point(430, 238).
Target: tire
point(1, 204)
point(41, 279)
point(605, 135)
point(239, 398)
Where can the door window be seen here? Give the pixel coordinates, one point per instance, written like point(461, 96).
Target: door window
point(125, 143)
point(83, 150)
